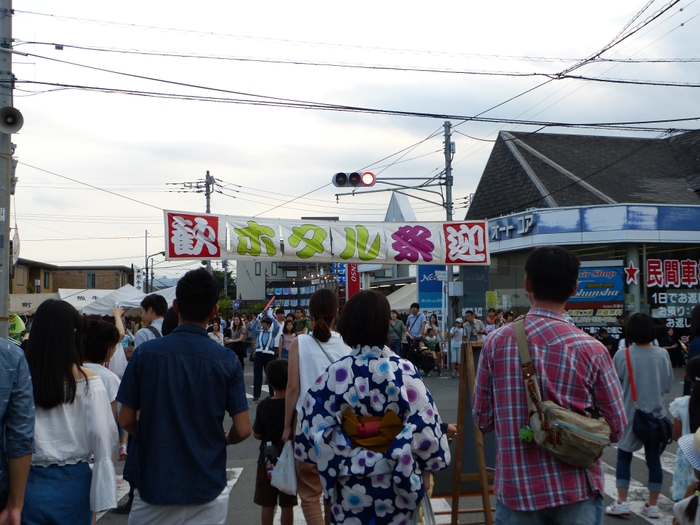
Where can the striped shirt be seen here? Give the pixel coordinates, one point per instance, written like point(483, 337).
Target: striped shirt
point(573, 370)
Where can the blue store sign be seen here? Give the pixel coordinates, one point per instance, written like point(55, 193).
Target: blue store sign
point(604, 284)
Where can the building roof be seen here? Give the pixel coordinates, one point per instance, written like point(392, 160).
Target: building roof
point(544, 170)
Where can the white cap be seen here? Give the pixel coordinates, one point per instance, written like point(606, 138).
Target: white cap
point(690, 445)
point(459, 320)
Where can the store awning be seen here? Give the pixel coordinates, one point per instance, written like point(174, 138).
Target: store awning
point(402, 298)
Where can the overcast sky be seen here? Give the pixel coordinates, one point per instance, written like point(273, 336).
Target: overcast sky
point(143, 148)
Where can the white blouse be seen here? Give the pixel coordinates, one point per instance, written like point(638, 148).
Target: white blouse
point(73, 432)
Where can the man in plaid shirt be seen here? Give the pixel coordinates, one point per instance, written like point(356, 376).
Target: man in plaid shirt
point(573, 370)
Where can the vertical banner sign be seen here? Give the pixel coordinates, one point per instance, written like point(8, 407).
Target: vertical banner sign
point(353, 277)
point(429, 288)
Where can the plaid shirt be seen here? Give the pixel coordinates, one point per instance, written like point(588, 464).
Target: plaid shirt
point(573, 370)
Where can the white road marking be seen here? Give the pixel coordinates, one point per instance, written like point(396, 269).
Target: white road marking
point(637, 497)
point(439, 504)
point(232, 476)
point(264, 389)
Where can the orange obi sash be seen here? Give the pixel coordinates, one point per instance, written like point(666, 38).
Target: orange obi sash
point(374, 433)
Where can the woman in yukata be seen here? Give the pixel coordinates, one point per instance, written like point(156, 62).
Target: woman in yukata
point(370, 424)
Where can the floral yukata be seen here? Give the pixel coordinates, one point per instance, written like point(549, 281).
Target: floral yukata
point(365, 487)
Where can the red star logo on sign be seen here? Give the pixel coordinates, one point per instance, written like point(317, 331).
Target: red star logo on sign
point(631, 273)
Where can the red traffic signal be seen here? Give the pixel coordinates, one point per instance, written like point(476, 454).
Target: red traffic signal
point(354, 179)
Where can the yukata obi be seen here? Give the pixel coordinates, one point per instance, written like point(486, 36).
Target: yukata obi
point(372, 428)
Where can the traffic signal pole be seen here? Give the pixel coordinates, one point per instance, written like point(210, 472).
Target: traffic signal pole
point(449, 152)
point(6, 86)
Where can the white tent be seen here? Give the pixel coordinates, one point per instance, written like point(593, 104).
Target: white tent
point(104, 305)
point(402, 298)
point(80, 298)
point(27, 303)
point(132, 307)
point(129, 298)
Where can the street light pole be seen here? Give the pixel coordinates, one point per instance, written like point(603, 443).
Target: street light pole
point(149, 284)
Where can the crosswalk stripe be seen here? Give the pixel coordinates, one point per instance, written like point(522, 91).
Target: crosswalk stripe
point(264, 389)
point(439, 504)
point(637, 496)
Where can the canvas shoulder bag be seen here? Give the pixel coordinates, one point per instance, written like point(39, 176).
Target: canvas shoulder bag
point(573, 438)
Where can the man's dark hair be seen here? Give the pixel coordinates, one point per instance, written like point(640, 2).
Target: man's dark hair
point(415, 305)
point(365, 319)
point(279, 311)
point(276, 373)
point(98, 338)
point(266, 320)
point(470, 312)
point(640, 329)
point(553, 272)
point(157, 302)
point(197, 293)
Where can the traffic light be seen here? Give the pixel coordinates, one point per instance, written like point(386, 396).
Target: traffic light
point(354, 180)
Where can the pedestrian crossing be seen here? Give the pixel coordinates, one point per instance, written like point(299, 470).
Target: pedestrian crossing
point(636, 498)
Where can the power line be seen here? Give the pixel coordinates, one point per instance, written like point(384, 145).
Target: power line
point(314, 44)
point(90, 185)
point(619, 126)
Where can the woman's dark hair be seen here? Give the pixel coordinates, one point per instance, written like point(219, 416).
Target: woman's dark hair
point(552, 272)
point(365, 319)
point(98, 338)
point(170, 321)
point(276, 373)
point(291, 330)
point(640, 329)
point(692, 371)
point(430, 319)
point(53, 350)
point(323, 309)
point(394, 312)
point(692, 509)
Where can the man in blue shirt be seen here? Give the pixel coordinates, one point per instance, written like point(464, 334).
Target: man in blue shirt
point(16, 430)
point(182, 384)
point(415, 324)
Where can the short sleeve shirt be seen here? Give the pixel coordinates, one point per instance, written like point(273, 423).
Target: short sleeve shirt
point(269, 422)
point(183, 384)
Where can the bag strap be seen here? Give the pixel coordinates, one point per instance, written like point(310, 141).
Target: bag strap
point(534, 397)
point(322, 349)
point(154, 331)
point(629, 372)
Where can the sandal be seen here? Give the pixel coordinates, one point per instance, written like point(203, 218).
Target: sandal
point(122, 452)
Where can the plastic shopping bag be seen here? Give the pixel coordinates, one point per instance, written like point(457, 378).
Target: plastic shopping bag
point(284, 476)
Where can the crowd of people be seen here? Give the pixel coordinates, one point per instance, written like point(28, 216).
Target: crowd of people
point(344, 390)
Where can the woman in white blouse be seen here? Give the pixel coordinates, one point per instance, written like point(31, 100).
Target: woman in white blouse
point(73, 423)
point(216, 333)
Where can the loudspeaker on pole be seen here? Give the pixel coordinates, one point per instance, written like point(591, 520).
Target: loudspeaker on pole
point(11, 120)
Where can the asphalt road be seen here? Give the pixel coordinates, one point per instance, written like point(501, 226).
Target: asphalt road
point(243, 456)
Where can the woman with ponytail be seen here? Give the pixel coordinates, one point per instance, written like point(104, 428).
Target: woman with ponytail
point(686, 420)
point(309, 356)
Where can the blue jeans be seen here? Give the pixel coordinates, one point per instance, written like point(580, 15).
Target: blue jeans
point(656, 474)
point(589, 512)
point(57, 495)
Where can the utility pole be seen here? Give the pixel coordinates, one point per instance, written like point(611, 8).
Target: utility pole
point(224, 265)
point(10, 122)
point(449, 206)
point(209, 189)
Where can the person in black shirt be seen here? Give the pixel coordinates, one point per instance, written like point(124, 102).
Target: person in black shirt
point(268, 428)
point(608, 341)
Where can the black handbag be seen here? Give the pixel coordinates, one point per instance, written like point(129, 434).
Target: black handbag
point(651, 430)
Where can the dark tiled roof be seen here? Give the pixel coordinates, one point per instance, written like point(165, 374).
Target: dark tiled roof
point(536, 170)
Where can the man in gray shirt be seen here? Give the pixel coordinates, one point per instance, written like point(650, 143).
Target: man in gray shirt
point(474, 329)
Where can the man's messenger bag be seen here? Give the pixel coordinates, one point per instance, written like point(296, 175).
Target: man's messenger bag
point(573, 438)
